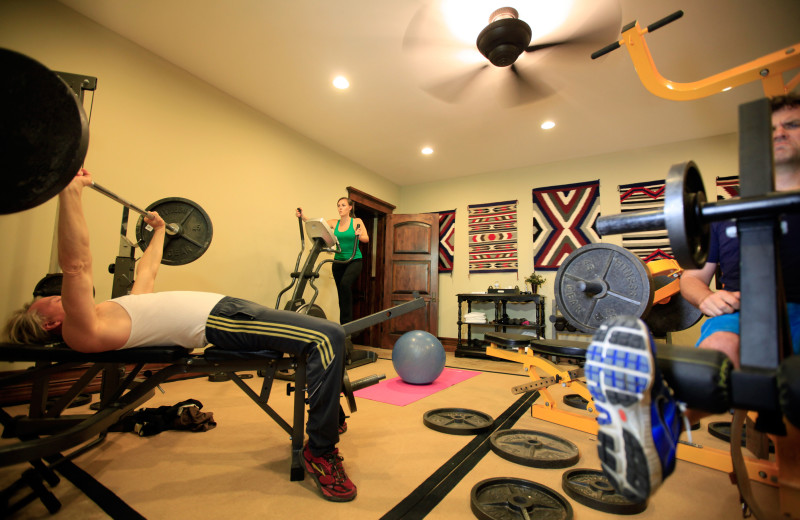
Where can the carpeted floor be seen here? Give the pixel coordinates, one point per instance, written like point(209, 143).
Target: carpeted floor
point(403, 469)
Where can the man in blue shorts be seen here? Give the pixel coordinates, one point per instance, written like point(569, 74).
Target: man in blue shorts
point(721, 330)
point(639, 420)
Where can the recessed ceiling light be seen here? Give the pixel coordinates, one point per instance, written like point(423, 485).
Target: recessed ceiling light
point(340, 82)
point(547, 125)
point(427, 150)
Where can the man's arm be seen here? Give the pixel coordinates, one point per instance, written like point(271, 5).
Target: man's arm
point(148, 264)
point(75, 259)
point(695, 289)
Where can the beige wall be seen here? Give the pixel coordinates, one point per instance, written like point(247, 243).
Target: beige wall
point(715, 156)
point(157, 132)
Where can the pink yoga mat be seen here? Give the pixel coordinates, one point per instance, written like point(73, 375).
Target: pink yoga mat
point(399, 393)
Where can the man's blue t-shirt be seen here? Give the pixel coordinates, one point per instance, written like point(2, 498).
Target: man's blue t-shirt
point(723, 250)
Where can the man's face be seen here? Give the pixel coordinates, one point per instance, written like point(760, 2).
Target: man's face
point(50, 309)
point(786, 135)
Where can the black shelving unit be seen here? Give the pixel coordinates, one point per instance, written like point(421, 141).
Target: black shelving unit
point(477, 348)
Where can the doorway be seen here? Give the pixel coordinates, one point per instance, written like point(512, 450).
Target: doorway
point(367, 291)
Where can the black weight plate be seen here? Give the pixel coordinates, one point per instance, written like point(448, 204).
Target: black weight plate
point(50, 285)
point(677, 314)
point(627, 286)
point(44, 133)
point(591, 488)
point(535, 449)
point(684, 196)
point(194, 234)
point(457, 421)
point(347, 390)
point(507, 498)
point(575, 401)
point(722, 430)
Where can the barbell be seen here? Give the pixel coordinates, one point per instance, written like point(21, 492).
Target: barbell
point(687, 215)
point(44, 137)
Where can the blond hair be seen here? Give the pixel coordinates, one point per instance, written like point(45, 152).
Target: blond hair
point(27, 327)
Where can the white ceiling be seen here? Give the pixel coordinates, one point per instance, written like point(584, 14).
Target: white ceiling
point(280, 56)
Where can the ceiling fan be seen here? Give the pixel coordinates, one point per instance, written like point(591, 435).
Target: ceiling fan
point(504, 40)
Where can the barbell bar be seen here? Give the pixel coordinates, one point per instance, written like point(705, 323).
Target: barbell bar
point(687, 215)
point(173, 229)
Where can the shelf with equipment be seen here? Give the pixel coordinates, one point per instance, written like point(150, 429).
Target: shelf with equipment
point(469, 347)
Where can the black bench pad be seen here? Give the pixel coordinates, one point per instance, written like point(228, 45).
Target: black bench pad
point(550, 347)
point(59, 352)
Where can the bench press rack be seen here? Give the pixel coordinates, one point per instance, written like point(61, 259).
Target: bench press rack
point(46, 431)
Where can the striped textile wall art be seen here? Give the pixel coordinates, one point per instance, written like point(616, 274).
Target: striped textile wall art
point(493, 237)
point(727, 187)
point(447, 247)
point(647, 245)
point(563, 220)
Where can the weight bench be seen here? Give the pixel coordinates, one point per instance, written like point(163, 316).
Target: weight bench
point(531, 352)
point(46, 431)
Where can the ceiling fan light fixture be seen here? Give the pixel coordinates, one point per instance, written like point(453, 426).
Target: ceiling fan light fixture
point(505, 38)
point(341, 82)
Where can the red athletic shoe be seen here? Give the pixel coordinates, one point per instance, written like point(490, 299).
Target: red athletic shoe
point(329, 474)
point(342, 428)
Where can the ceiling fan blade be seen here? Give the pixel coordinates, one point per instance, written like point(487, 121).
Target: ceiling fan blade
point(592, 24)
point(542, 46)
point(426, 30)
point(452, 89)
point(521, 90)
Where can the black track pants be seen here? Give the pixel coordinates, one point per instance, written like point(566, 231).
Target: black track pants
point(236, 324)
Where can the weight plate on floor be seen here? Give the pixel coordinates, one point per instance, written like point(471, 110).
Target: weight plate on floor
point(347, 390)
point(600, 281)
point(457, 421)
point(535, 449)
point(575, 401)
point(591, 488)
point(194, 230)
point(677, 314)
point(507, 498)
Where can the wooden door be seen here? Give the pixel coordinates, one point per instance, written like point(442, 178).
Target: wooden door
point(411, 264)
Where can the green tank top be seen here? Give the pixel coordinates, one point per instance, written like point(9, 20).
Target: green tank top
point(346, 239)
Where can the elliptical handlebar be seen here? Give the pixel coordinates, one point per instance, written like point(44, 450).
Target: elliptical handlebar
point(296, 274)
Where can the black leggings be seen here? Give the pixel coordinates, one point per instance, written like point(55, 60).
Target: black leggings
point(345, 276)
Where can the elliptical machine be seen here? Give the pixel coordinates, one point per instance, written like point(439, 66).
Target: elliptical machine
point(323, 241)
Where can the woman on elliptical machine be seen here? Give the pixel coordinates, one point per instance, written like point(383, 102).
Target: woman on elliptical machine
point(347, 229)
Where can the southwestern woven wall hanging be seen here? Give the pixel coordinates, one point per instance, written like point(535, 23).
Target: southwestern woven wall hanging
point(727, 187)
point(647, 245)
point(447, 246)
point(563, 221)
point(493, 237)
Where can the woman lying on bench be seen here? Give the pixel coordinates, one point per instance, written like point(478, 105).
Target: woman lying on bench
point(190, 320)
